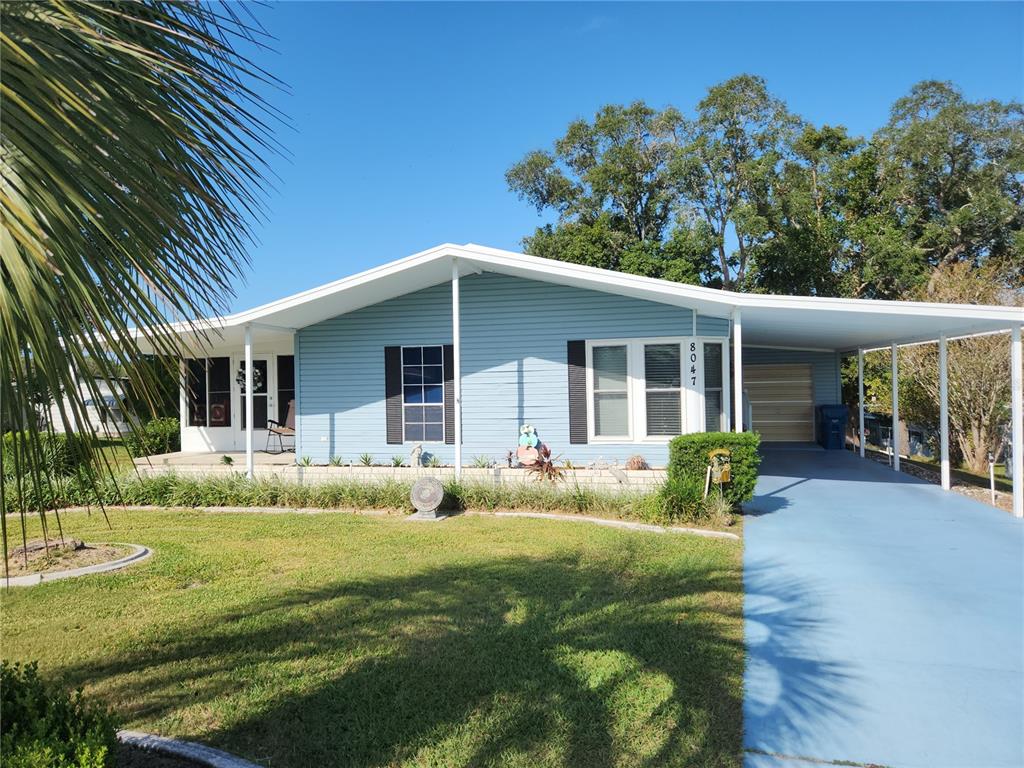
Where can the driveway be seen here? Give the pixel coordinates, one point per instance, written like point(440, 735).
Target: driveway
point(884, 620)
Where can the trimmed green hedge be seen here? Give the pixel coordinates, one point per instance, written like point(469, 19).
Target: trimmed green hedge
point(43, 726)
point(236, 491)
point(155, 436)
point(688, 458)
point(61, 454)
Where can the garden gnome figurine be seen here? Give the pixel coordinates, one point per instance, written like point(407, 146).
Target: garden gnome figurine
point(527, 451)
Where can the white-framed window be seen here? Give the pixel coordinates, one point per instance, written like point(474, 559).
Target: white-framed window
point(651, 389)
point(609, 398)
point(423, 394)
point(663, 389)
point(715, 362)
point(208, 392)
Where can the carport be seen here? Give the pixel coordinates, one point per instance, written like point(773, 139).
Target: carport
point(884, 619)
point(856, 326)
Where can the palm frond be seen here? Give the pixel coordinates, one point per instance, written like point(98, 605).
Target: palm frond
point(133, 164)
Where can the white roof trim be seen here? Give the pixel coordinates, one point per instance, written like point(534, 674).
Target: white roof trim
point(802, 310)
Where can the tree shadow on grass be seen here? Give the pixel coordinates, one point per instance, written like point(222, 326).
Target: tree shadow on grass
point(559, 661)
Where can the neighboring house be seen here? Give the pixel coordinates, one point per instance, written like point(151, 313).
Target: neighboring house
point(104, 413)
point(603, 364)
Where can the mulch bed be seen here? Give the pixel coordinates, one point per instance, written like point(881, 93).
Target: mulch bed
point(50, 556)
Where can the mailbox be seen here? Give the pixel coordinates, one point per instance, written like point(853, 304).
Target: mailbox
point(720, 461)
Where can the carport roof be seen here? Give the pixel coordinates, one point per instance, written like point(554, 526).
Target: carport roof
point(768, 320)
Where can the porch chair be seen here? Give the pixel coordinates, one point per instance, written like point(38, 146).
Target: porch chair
point(281, 431)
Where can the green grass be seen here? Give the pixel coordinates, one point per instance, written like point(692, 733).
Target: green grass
point(114, 455)
point(335, 639)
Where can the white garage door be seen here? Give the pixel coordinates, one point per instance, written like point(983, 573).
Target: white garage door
point(781, 401)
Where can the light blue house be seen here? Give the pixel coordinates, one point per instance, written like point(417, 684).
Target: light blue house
point(453, 348)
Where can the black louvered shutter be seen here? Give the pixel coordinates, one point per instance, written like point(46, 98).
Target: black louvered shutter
point(449, 394)
point(393, 394)
point(576, 353)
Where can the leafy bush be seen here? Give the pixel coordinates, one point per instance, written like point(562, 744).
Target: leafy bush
point(688, 458)
point(45, 727)
point(155, 436)
point(61, 454)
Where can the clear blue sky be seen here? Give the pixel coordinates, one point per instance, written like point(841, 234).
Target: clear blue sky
point(405, 117)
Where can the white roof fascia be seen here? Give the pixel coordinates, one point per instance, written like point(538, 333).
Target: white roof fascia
point(708, 301)
point(768, 301)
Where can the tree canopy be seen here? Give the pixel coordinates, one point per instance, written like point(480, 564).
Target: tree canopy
point(746, 195)
point(743, 194)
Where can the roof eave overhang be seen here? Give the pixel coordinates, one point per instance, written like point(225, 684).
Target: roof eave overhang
point(433, 266)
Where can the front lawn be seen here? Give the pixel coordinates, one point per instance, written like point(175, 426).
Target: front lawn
point(333, 639)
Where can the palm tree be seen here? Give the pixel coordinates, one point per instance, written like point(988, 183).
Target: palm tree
point(133, 164)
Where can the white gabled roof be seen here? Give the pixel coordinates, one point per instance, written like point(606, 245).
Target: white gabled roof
point(785, 321)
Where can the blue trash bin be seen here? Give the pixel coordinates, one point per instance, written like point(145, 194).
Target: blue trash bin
point(832, 426)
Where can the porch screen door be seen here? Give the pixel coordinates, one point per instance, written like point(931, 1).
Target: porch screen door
point(260, 393)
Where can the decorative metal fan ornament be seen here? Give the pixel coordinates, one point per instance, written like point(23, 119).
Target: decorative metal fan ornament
point(426, 495)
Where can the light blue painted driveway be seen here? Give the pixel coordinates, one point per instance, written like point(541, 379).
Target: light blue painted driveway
point(884, 619)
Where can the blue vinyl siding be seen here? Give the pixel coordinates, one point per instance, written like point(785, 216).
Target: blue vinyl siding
point(513, 365)
point(825, 372)
point(712, 326)
point(514, 334)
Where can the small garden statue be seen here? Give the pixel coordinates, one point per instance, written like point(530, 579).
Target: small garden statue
point(416, 455)
point(535, 456)
point(528, 453)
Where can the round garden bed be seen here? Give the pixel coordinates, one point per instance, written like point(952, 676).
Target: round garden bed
point(39, 560)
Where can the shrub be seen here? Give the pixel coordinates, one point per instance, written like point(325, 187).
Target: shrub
point(61, 454)
point(45, 726)
point(682, 498)
point(153, 437)
point(688, 457)
point(169, 490)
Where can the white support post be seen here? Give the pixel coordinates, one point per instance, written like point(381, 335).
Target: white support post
point(457, 369)
point(248, 403)
point(1017, 421)
point(737, 376)
point(944, 411)
point(860, 399)
point(895, 409)
point(182, 396)
point(726, 390)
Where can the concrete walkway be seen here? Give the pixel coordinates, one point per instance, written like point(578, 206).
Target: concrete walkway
point(884, 620)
